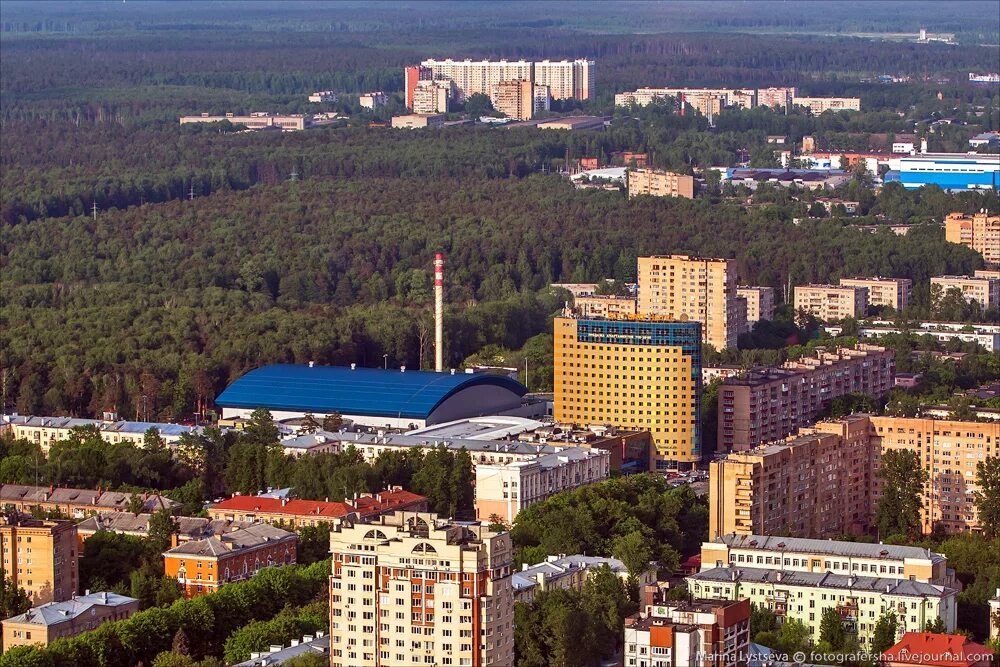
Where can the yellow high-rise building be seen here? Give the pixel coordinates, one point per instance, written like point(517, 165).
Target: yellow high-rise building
point(635, 373)
point(40, 556)
point(980, 231)
point(693, 288)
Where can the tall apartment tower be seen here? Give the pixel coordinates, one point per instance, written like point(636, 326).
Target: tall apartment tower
point(635, 373)
point(692, 288)
point(40, 556)
point(566, 78)
point(412, 75)
point(980, 231)
point(515, 99)
point(412, 588)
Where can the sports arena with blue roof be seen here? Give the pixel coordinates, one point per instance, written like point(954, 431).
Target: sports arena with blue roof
point(370, 396)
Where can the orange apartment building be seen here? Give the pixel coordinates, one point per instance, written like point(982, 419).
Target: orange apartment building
point(764, 405)
point(204, 566)
point(297, 513)
point(980, 231)
point(40, 556)
point(411, 587)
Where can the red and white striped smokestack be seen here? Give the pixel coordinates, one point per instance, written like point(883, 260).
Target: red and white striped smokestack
point(439, 312)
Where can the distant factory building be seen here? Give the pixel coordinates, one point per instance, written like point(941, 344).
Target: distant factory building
point(370, 396)
point(949, 171)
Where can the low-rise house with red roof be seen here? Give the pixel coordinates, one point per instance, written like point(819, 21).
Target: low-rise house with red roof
point(297, 513)
point(929, 649)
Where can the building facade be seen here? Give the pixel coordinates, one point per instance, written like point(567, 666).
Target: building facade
point(568, 573)
point(775, 97)
point(700, 289)
point(46, 431)
point(980, 231)
point(415, 121)
point(295, 513)
point(707, 101)
point(514, 99)
point(205, 566)
point(986, 335)
point(255, 121)
point(564, 79)
point(696, 633)
point(643, 374)
point(817, 484)
point(503, 490)
point(949, 171)
point(412, 76)
point(832, 302)
point(818, 105)
point(859, 601)
point(604, 306)
point(760, 302)
point(986, 291)
point(41, 625)
point(374, 99)
point(892, 292)
point(431, 97)
point(77, 503)
point(764, 405)
point(659, 184)
point(949, 451)
point(40, 556)
point(799, 554)
point(412, 588)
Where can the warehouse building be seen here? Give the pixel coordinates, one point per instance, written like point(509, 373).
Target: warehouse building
point(370, 396)
point(949, 171)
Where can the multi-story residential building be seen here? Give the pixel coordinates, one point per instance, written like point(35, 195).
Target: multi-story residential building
point(514, 99)
point(701, 289)
point(832, 302)
point(696, 633)
point(542, 98)
point(418, 120)
point(740, 317)
point(708, 101)
point(817, 484)
point(206, 565)
point(324, 96)
point(659, 184)
point(859, 600)
point(257, 120)
point(46, 431)
point(39, 556)
point(412, 76)
point(137, 525)
point(410, 588)
point(892, 292)
point(77, 503)
point(767, 404)
point(604, 306)
point(43, 624)
point(566, 78)
point(295, 513)
point(642, 373)
point(374, 99)
point(986, 291)
point(431, 97)
point(949, 451)
point(775, 97)
point(986, 273)
point(979, 231)
point(818, 105)
point(760, 302)
point(503, 490)
point(568, 573)
point(986, 335)
point(797, 554)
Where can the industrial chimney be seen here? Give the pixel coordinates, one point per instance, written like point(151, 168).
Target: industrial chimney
point(438, 313)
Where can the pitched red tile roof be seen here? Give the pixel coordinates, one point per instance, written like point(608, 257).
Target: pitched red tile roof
point(929, 649)
point(365, 505)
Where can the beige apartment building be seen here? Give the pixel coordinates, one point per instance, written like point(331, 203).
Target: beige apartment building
point(984, 290)
point(816, 484)
point(701, 289)
point(767, 404)
point(659, 184)
point(799, 554)
point(514, 99)
point(775, 97)
point(566, 79)
point(832, 302)
point(413, 588)
point(40, 556)
point(892, 292)
point(503, 490)
point(604, 306)
point(760, 302)
point(949, 452)
point(43, 624)
point(986, 273)
point(431, 97)
point(818, 105)
point(979, 231)
point(707, 101)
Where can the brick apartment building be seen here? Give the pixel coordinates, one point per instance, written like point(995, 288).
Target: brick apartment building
point(767, 404)
point(39, 556)
point(297, 513)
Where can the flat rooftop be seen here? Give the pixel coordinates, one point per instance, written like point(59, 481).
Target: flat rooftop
point(832, 547)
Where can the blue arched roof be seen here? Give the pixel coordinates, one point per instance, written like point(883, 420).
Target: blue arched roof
point(371, 392)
